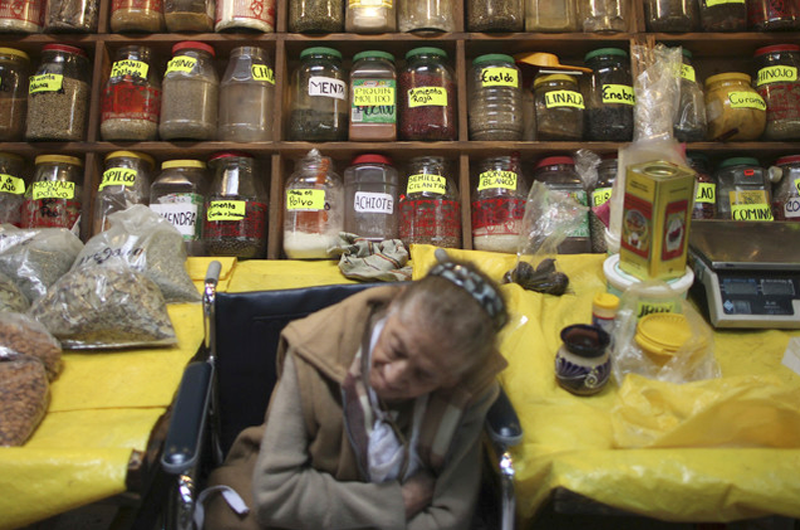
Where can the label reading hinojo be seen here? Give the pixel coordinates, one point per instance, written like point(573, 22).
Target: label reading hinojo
point(499, 76)
point(327, 87)
point(118, 176)
point(563, 98)
point(45, 83)
point(305, 200)
point(181, 64)
point(53, 190)
point(368, 202)
point(746, 100)
point(262, 72)
point(426, 183)
point(777, 74)
point(618, 94)
point(129, 67)
point(427, 96)
point(226, 210)
point(496, 178)
point(706, 193)
point(11, 184)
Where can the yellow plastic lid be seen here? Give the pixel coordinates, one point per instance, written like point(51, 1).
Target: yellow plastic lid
point(171, 164)
point(58, 159)
point(15, 52)
point(554, 77)
point(131, 154)
point(728, 76)
point(662, 333)
point(606, 301)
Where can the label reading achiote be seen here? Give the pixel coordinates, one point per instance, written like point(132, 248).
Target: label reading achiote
point(11, 184)
point(426, 183)
point(226, 210)
point(427, 96)
point(181, 64)
point(495, 178)
point(119, 176)
point(53, 190)
point(306, 200)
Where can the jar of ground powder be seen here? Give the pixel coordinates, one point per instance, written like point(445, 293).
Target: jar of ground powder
point(53, 200)
point(190, 93)
point(131, 101)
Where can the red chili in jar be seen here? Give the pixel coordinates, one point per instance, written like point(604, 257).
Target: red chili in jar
point(427, 97)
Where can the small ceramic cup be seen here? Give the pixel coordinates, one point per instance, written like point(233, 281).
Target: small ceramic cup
point(583, 364)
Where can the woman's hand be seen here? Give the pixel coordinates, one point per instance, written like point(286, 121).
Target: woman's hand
point(418, 493)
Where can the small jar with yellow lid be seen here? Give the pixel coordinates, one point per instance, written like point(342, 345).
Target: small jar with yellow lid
point(735, 111)
point(53, 200)
point(178, 195)
point(559, 108)
point(604, 311)
point(125, 182)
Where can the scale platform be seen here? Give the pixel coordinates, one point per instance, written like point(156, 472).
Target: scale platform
point(747, 274)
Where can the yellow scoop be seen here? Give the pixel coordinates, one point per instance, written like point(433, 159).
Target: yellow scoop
point(547, 60)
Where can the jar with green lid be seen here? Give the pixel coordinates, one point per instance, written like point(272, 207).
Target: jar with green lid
point(743, 190)
point(316, 16)
point(499, 194)
point(430, 209)
point(426, 15)
point(371, 186)
point(53, 200)
point(131, 101)
point(190, 93)
point(778, 84)
point(14, 71)
point(495, 15)
point(370, 16)
point(558, 173)
point(786, 192)
point(125, 182)
point(427, 96)
point(373, 97)
point(609, 98)
point(551, 16)
point(319, 97)
point(13, 180)
point(246, 97)
point(735, 111)
point(495, 98)
point(690, 121)
point(600, 195)
point(604, 16)
point(559, 108)
point(178, 195)
point(23, 16)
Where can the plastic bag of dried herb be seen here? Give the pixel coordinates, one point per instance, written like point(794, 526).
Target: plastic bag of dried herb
point(148, 243)
point(11, 298)
point(34, 258)
point(24, 396)
point(22, 335)
point(105, 306)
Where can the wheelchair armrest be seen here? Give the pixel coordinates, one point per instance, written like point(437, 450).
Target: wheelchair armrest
point(502, 422)
point(181, 447)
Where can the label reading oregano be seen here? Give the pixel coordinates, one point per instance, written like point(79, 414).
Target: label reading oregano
point(426, 183)
point(11, 184)
point(495, 178)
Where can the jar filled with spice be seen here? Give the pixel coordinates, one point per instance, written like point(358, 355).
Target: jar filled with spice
point(690, 120)
point(125, 182)
point(723, 15)
point(743, 190)
point(178, 195)
point(610, 98)
point(23, 16)
point(137, 15)
point(131, 101)
point(189, 15)
point(71, 16)
point(370, 190)
point(735, 111)
point(319, 97)
point(559, 108)
point(426, 15)
point(53, 200)
point(373, 100)
point(235, 220)
point(430, 210)
point(705, 201)
point(777, 83)
point(495, 99)
point(14, 71)
point(58, 95)
point(601, 194)
point(370, 16)
point(12, 188)
point(235, 15)
point(558, 174)
point(769, 15)
point(246, 97)
point(671, 16)
point(551, 16)
point(499, 194)
point(495, 15)
point(786, 192)
point(313, 212)
point(316, 16)
point(427, 96)
point(603, 16)
point(189, 99)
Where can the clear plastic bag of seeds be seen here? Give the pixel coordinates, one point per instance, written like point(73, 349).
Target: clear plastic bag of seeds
point(24, 397)
point(22, 335)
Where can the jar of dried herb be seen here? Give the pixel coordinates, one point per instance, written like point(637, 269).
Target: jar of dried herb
point(319, 93)
point(735, 111)
point(495, 98)
point(370, 16)
point(723, 15)
point(705, 201)
point(235, 221)
point(14, 71)
point(769, 15)
point(604, 16)
point(189, 15)
point(54, 197)
point(426, 15)
point(427, 96)
point(690, 121)
point(786, 192)
point(373, 100)
point(743, 190)
point(189, 98)
point(12, 188)
point(178, 195)
point(609, 98)
point(125, 182)
point(559, 108)
point(671, 16)
point(499, 194)
point(246, 97)
point(58, 95)
point(316, 16)
point(495, 15)
point(551, 16)
point(430, 209)
point(778, 83)
point(131, 100)
point(22, 16)
point(137, 15)
point(68, 16)
point(601, 194)
point(235, 15)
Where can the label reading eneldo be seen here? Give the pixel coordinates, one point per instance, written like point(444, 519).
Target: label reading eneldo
point(11, 184)
point(499, 76)
point(427, 96)
point(226, 210)
point(262, 72)
point(305, 200)
point(426, 183)
point(131, 68)
point(618, 94)
point(495, 178)
point(181, 64)
point(119, 176)
point(45, 83)
point(50, 189)
point(563, 98)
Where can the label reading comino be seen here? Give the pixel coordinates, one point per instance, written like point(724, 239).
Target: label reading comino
point(50, 189)
point(306, 200)
point(226, 210)
point(11, 184)
point(118, 176)
point(424, 182)
point(750, 205)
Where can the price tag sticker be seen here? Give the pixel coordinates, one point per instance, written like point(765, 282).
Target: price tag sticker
point(53, 190)
point(11, 184)
point(181, 64)
point(262, 72)
point(427, 96)
point(422, 182)
point(226, 210)
point(128, 67)
point(305, 200)
point(495, 179)
point(45, 83)
point(118, 177)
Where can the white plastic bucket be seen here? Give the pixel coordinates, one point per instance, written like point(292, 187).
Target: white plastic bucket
point(617, 280)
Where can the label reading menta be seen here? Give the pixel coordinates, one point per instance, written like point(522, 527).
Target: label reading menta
point(50, 189)
point(11, 184)
point(706, 193)
point(262, 72)
point(373, 101)
point(226, 210)
point(118, 176)
point(618, 94)
point(426, 183)
point(499, 76)
point(777, 74)
point(563, 98)
point(181, 64)
point(746, 100)
point(131, 68)
point(495, 178)
point(427, 96)
point(45, 83)
point(750, 205)
point(327, 87)
point(367, 202)
point(181, 215)
point(305, 200)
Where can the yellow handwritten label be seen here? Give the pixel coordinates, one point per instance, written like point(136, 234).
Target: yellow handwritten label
point(499, 76)
point(370, 3)
point(714, 3)
point(427, 96)
point(50, 189)
point(797, 185)
point(45, 83)
point(118, 176)
point(750, 205)
point(226, 210)
point(373, 96)
point(11, 184)
point(181, 64)
point(131, 68)
point(495, 178)
point(563, 98)
point(688, 73)
point(426, 183)
point(746, 100)
point(308, 200)
point(776, 74)
point(262, 72)
point(618, 94)
point(706, 193)
point(601, 196)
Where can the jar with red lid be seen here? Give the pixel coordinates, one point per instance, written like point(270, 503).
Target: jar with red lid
point(558, 174)
point(370, 193)
point(131, 101)
point(705, 201)
point(22, 16)
point(53, 200)
point(430, 210)
point(786, 192)
point(499, 194)
point(189, 94)
point(426, 97)
point(773, 15)
point(778, 84)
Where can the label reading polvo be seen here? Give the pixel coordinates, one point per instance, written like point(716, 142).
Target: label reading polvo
point(305, 200)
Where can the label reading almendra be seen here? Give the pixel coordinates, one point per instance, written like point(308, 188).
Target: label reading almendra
point(262, 72)
point(306, 200)
point(495, 178)
point(50, 189)
point(226, 210)
point(427, 96)
point(45, 83)
point(131, 68)
point(181, 64)
point(499, 76)
point(118, 176)
point(618, 94)
point(706, 193)
point(11, 184)
point(563, 98)
point(746, 100)
point(777, 74)
point(688, 73)
point(426, 183)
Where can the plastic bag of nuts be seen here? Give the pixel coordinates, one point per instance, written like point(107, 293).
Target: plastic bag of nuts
point(24, 396)
point(21, 335)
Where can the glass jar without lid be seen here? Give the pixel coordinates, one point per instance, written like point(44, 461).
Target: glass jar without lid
point(495, 99)
point(14, 71)
point(71, 16)
point(427, 96)
point(610, 97)
point(743, 190)
point(23, 16)
point(370, 16)
point(53, 200)
point(246, 97)
point(319, 93)
point(13, 180)
point(499, 194)
point(131, 101)
point(430, 210)
point(559, 108)
point(735, 111)
point(558, 174)
point(690, 121)
point(426, 15)
point(786, 192)
point(125, 182)
point(723, 15)
point(671, 16)
point(137, 15)
point(316, 16)
point(778, 84)
point(603, 16)
point(235, 15)
point(495, 15)
point(705, 200)
point(771, 15)
point(373, 101)
point(190, 93)
point(551, 16)
point(371, 190)
point(178, 195)
point(189, 15)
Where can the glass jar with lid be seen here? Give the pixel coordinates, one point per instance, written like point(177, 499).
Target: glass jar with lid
point(778, 84)
point(690, 120)
point(426, 15)
point(371, 190)
point(235, 217)
point(769, 15)
point(551, 16)
point(137, 15)
point(671, 16)
point(58, 95)
point(178, 195)
point(427, 96)
point(499, 194)
point(314, 204)
point(246, 97)
point(743, 190)
point(373, 97)
point(603, 16)
point(558, 174)
point(53, 200)
point(786, 192)
point(235, 15)
point(319, 97)
point(71, 16)
point(14, 71)
point(316, 16)
point(705, 200)
point(189, 94)
point(735, 111)
point(189, 15)
point(495, 15)
point(723, 15)
point(13, 180)
point(131, 101)
point(430, 209)
point(600, 195)
point(125, 182)
point(370, 16)
point(495, 98)
point(609, 98)
point(559, 108)
point(24, 16)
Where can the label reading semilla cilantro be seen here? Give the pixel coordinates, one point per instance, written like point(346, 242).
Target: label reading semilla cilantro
point(226, 210)
point(426, 183)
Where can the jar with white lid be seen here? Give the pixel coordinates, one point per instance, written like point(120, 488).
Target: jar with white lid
point(371, 192)
point(125, 182)
point(178, 195)
point(53, 200)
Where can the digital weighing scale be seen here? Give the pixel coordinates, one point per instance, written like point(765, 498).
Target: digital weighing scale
point(747, 274)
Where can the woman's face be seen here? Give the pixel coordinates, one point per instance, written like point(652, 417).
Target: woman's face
point(408, 362)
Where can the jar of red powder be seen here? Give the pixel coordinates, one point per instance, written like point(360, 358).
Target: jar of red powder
point(430, 212)
point(427, 97)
